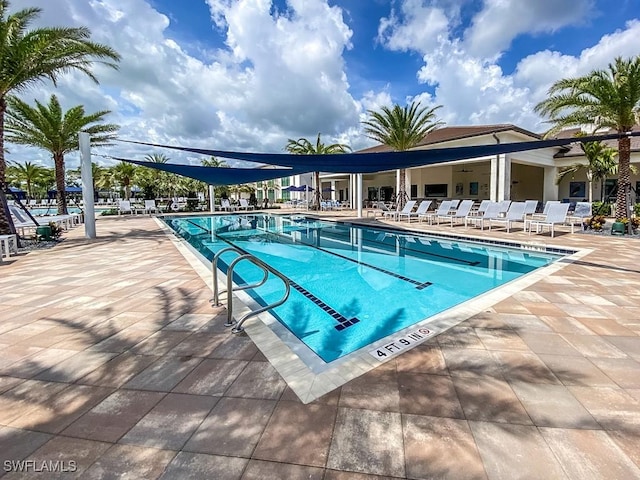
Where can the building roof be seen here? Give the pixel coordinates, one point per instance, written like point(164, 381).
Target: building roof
point(574, 149)
point(447, 134)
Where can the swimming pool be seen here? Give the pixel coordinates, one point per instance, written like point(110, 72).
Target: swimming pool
point(351, 285)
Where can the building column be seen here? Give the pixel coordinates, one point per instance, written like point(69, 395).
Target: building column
point(504, 177)
point(333, 190)
point(493, 180)
point(407, 180)
point(551, 189)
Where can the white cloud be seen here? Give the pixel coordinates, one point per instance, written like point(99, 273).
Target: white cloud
point(465, 73)
point(282, 76)
point(500, 21)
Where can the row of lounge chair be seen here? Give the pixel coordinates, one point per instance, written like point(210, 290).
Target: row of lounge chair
point(505, 213)
point(24, 225)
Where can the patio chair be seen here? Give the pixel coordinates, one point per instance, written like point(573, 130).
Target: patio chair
point(460, 214)
point(150, 206)
point(124, 206)
point(492, 211)
point(442, 209)
point(556, 214)
point(504, 206)
point(582, 211)
point(530, 207)
point(514, 214)
point(395, 214)
point(481, 208)
point(244, 205)
point(422, 209)
point(540, 216)
point(225, 205)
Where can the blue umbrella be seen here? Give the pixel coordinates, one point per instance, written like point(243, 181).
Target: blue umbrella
point(291, 188)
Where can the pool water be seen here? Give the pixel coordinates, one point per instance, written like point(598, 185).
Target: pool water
point(352, 285)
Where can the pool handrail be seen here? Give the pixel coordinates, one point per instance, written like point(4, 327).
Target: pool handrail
point(230, 288)
point(268, 269)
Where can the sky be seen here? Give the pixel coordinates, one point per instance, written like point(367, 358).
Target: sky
point(250, 74)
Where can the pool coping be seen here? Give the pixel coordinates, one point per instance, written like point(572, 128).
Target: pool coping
point(291, 358)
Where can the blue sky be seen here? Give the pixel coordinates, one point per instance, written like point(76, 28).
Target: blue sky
point(249, 74)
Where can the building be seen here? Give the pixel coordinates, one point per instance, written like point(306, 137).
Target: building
point(516, 176)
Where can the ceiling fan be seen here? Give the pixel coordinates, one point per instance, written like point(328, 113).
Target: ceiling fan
point(464, 170)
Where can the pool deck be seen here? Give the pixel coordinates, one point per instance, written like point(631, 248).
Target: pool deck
point(114, 363)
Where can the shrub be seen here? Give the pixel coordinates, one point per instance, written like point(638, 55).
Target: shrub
point(595, 223)
point(601, 208)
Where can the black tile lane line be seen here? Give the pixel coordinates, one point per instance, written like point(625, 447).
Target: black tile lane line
point(422, 252)
point(343, 322)
point(419, 285)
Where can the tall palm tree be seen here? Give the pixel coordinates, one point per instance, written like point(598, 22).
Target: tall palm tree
point(302, 146)
point(29, 56)
point(124, 173)
point(401, 128)
point(603, 98)
point(49, 128)
point(29, 174)
point(156, 158)
point(601, 162)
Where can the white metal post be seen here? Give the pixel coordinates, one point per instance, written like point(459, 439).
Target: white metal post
point(212, 199)
point(359, 194)
point(84, 140)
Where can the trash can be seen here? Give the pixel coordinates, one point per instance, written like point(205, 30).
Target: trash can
point(618, 228)
point(43, 232)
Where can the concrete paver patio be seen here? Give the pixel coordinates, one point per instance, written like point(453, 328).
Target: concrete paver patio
point(115, 364)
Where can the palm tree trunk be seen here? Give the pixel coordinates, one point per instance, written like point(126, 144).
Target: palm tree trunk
point(6, 222)
point(624, 178)
point(58, 161)
point(402, 193)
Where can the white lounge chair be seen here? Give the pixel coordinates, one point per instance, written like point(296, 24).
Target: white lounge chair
point(460, 214)
point(493, 211)
point(225, 204)
point(530, 207)
point(150, 206)
point(514, 214)
point(22, 222)
point(443, 209)
point(396, 214)
point(582, 211)
point(481, 208)
point(422, 209)
point(244, 205)
point(540, 216)
point(556, 215)
point(124, 206)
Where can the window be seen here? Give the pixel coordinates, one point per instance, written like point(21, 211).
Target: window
point(285, 182)
point(414, 191)
point(286, 195)
point(436, 190)
point(577, 189)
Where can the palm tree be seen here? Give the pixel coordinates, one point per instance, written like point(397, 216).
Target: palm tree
point(123, 173)
point(401, 129)
point(302, 146)
point(30, 56)
point(156, 158)
point(601, 162)
point(29, 174)
point(214, 162)
point(49, 128)
point(603, 98)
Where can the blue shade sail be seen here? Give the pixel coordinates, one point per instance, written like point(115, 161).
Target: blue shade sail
point(361, 162)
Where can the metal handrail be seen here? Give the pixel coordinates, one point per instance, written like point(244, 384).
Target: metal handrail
point(215, 301)
point(268, 269)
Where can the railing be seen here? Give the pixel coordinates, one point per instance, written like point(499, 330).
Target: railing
point(230, 288)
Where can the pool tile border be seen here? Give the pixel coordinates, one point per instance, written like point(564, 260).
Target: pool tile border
point(307, 375)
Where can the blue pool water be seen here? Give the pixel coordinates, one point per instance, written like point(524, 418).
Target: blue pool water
point(353, 285)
